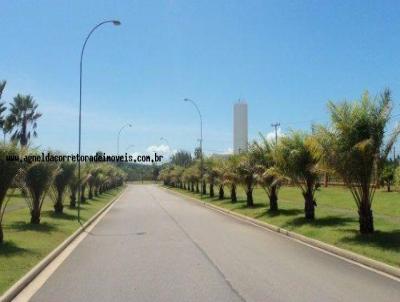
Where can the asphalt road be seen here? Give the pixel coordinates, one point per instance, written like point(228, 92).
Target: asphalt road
point(155, 246)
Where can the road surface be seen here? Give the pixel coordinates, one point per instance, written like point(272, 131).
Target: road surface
point(155, 246)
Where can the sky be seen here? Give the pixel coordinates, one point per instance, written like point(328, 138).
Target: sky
point(285, 58)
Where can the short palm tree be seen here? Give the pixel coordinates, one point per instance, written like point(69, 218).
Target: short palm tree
point(8, 170)
point(353, 146)
point(231, 176)
point(221, 168)
point(267, 175)
point(246, 171)
point(60, 184)
point(37, 179)
point(211, 173)
point(23, 114)
point(297, 158)
point(73, 186)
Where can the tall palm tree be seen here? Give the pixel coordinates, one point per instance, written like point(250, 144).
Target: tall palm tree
point(353, 146)
point(297, 158)
point(2, 109)
point(8, 170)
point(23, 114)
point(2, 86)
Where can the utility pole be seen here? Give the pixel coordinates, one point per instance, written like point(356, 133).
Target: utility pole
point(276, 125)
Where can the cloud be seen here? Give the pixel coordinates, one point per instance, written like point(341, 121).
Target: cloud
point(160, 149)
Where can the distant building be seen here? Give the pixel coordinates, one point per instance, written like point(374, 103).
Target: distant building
point(240, 131)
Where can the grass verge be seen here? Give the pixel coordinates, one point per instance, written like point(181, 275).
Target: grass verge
point(336, 220)
point(26, 244)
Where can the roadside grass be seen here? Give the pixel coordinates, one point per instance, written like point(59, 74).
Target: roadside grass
point(336, 220)
point(25, 244)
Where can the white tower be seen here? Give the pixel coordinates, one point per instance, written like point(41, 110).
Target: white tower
point(240, 136)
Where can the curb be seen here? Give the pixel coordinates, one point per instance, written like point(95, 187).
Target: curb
point(359, 259)
point(14, 290)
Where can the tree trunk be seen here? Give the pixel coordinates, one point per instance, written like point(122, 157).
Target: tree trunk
point(273, 199)
point(83, 198)
point(204, 188)
point(249, 194)
point(388, 187)
point(90, 193)
point(35, 216)
point(221, 192)
point(24, 138)
point(233, 194)
point(72, 201)
point(192, 187)
point(58, 206)
point(197, 187)
point(309, 205)
point(211, 190)
point(366, 220)
point(1, 234)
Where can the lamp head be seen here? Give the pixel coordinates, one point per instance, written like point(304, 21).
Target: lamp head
point(116, 22)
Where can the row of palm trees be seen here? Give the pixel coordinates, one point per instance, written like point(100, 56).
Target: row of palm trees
point(37, 180)
point(22, 116)
point(354, 147)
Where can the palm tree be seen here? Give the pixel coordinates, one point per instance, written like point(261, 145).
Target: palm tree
point(297, 158)
point(211, 173)
point(353, 146)
point(246, 171)
point(221, 168)
point(8, 170)
point(388, 173)
point(93, 171)
point(37, 179)
point(231, 176)
point(267, 176)
point(2, 109)
point(23, 112)
point(73, 186)
point(60, 184)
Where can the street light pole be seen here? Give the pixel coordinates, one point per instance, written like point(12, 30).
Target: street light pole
point(116, 23)
point(119, 134)
point(201, 143)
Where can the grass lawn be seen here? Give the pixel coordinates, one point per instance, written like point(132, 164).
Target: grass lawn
point(336, 220)
point(26, 244)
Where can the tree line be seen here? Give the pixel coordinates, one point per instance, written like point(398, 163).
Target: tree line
point(38, 180)
point(354, 146)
